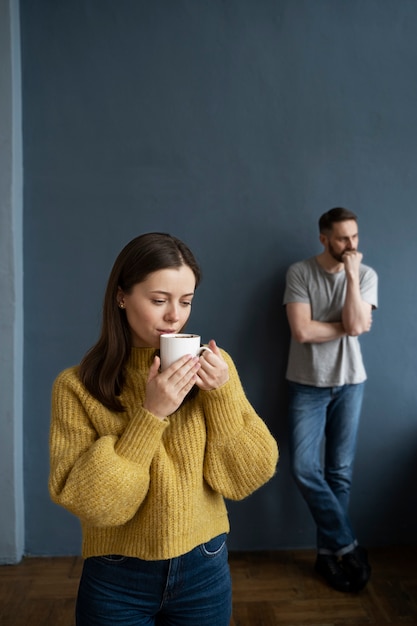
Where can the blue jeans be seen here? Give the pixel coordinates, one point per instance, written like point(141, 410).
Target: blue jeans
point(190, 590)
point(323, 432)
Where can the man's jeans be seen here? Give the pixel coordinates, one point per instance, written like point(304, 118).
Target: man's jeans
point(190, 590)
point(324, 474)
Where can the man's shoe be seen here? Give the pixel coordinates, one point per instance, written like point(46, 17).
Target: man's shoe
point(328, 566)
point(357, 568)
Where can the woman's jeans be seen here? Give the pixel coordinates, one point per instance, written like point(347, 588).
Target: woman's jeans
point(323, 432)
point(190, 590)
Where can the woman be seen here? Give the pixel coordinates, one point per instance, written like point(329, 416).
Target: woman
point(145, 459)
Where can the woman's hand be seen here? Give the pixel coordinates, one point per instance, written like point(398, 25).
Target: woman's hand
point(165, 391)
point(214, 371)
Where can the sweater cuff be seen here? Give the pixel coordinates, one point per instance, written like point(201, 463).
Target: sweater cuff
point(141, 437)
point(224, 410)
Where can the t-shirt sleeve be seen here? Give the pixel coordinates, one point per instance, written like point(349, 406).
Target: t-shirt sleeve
point(296, 286)
point(369, 287)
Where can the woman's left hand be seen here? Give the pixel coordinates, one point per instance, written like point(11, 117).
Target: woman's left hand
point(214, 371)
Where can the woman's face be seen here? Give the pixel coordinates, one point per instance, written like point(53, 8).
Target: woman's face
point(160, 304)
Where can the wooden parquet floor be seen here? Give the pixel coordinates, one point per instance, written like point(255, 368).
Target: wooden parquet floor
point(269, 589)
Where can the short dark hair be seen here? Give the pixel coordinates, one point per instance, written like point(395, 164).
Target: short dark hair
point(338, 214)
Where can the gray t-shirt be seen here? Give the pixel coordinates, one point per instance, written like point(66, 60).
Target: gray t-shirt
point(332, 363)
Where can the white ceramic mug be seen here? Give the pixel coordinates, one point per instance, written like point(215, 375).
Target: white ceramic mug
point(174, 346)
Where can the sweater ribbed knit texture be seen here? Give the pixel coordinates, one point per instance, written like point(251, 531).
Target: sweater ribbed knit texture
point(148, 488)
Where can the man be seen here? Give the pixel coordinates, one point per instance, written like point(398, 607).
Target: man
point(329, 300)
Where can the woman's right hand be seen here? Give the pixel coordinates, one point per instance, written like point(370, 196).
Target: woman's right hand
point(165, 391)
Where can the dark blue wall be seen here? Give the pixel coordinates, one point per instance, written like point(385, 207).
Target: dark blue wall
point(233, 125)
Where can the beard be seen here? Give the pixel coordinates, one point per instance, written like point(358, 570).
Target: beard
point(338, 256)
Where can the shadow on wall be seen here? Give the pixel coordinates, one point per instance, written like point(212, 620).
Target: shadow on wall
point(262, 351)
point(276, 510)
point(394, 500)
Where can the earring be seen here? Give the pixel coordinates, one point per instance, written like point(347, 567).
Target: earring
point(121, 305)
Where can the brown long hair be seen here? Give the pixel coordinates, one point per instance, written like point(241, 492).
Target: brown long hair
point(102, 368)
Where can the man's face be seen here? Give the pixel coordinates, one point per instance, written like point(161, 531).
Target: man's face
point(342, 238)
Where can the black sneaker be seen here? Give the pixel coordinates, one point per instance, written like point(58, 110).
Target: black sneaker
point(357, 568)
point(329, 567)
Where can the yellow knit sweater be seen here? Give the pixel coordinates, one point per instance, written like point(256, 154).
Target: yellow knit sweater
point(148, 488)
